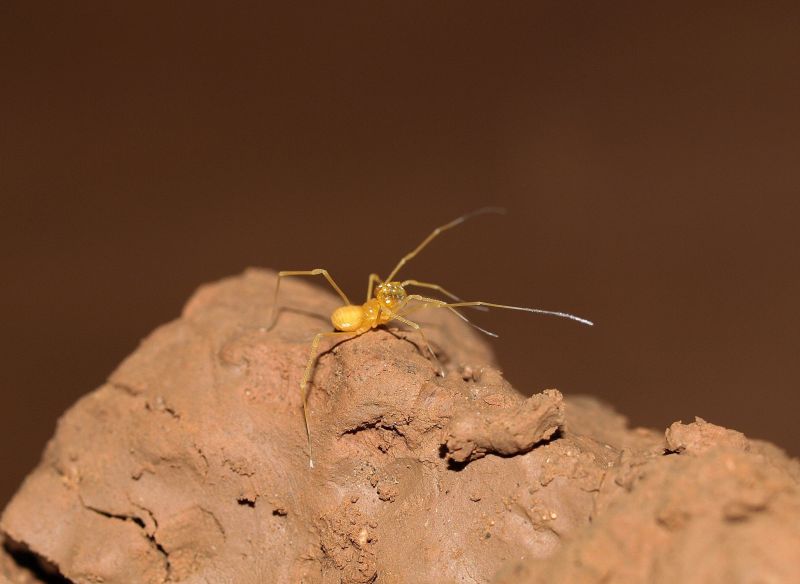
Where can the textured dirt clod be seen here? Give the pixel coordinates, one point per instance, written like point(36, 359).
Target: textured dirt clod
point(710, 507)
point(191, 465)
point(476, 431)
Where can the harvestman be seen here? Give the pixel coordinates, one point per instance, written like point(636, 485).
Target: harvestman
point(391, 302)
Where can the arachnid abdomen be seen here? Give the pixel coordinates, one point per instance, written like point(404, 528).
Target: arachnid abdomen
point(353, 318)
point(348, 318)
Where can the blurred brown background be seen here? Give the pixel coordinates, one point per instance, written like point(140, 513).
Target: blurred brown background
point(648, 154)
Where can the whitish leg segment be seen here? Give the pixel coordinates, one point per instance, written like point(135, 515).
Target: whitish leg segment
point(441, 304)
point(436, 232)
point(304, 383)
point(315, 272)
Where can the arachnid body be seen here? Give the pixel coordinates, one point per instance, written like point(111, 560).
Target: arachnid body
point(387, 301)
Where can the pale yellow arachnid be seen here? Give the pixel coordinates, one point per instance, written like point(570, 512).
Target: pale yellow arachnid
point(391, 302)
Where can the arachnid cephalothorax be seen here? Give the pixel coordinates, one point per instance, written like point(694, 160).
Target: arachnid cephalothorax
point(389, 301)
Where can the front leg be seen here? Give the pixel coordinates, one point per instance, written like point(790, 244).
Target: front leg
point(418, 328)
point(372, 279)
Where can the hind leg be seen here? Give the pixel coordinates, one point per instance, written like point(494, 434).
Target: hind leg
point(312, 357)
point(315, 272)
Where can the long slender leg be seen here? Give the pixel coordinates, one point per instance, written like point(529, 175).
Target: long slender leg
point(304, 383)
point(372, 279)
point(315, 272)
point(418, 328)
point(436, 232)
point(405, 309)
point(441, 304)
point(438, 288)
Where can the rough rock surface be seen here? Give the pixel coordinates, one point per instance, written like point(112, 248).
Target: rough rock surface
point(708, 506)
point(191, 465)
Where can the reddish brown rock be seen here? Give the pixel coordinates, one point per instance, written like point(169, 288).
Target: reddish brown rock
point(191, 465)
point(479, 429)
point(700, 436)
point(709, 506)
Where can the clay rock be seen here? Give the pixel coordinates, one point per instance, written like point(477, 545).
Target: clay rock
point(191, 464)
point(708, 506)
point(473, 433)
point(700, 436)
